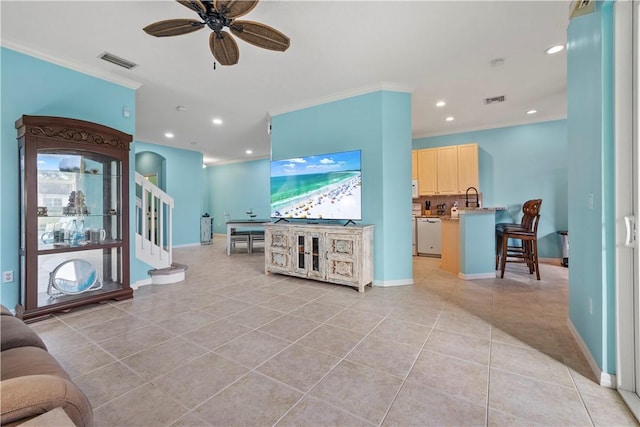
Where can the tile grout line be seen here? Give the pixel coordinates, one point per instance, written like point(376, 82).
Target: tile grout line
point(415, 360)
point(331, 369)
point(581, 398)
point(487, 400)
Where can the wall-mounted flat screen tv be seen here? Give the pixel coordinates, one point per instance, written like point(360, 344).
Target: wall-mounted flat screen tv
point(326, 186)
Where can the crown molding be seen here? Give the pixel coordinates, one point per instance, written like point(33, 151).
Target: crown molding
point(382, 86)
point(122, 81)
point(492, 126)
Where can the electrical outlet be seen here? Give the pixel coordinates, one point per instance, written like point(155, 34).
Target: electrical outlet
point(7, 276)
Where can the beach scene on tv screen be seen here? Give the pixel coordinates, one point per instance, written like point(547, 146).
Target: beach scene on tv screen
point(327, 186)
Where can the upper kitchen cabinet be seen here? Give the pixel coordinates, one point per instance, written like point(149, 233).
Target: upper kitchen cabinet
point(447, 170)
point(467, 167)
point(427, 171)
point(414, 164)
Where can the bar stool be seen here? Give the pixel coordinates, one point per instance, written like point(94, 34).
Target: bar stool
point(526, 232)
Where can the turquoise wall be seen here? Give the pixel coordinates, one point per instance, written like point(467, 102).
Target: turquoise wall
point(477, 244)
point(185, 183)
point(379, 124)
point(149, 163)
point(235, 188)
point(591, 176)
point(518, 163)
point(35, 87)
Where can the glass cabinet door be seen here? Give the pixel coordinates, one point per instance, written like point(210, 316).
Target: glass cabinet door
point(309, 260)
point(79, 226)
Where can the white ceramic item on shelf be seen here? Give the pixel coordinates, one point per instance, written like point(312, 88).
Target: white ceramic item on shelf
point(454, 212)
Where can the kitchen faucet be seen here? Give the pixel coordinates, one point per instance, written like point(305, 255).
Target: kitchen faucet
point(466, 195)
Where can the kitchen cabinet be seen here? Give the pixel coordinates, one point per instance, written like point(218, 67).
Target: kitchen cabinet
point(467, 167)
point(447, 170)
point(450, 258)
point(328, 253)
point(414, 164)
point(427, 171)
point(74, 233)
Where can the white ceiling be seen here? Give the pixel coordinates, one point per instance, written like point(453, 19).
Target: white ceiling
point(435, 49)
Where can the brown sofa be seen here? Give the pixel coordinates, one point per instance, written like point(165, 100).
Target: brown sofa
point(32, 382)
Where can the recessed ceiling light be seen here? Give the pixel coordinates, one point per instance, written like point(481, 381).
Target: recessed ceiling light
point(217, 121)
point(554, 49)
point(449, 119)
point(249, 152)
point(532, 111)
point(440, 104)
point(168, 135)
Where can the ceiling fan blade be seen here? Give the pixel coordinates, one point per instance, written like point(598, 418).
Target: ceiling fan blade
point(260, 35)
point(195, 5)
point(173, 27)
point(234, 8)
point(224, 48)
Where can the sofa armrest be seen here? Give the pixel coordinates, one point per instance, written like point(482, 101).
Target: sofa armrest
point(29, 396)
point(15, 333)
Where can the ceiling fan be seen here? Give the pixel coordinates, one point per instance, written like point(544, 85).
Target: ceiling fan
point(217, 14)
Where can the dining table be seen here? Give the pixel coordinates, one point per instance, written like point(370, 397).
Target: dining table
point(251, 223)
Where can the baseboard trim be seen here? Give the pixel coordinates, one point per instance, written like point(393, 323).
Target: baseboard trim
point(604, 379)
point(139, 283)
point(186, 245)
point(552, 261)
point(477, 276)
point(390, 283)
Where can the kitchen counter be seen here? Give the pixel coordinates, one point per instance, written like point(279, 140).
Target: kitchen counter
point(450, 258)
point(477, 243)
point(468, 243)
point(481, 210)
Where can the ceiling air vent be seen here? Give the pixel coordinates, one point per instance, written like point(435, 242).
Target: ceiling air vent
point(117, 60)
point(581, 7)
point(494, 100)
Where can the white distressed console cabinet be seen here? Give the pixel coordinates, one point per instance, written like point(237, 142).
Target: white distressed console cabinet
point(330, 253)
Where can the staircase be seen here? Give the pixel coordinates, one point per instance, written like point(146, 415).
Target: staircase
point(153, 224)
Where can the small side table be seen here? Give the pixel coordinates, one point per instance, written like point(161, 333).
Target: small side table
point(206, 230)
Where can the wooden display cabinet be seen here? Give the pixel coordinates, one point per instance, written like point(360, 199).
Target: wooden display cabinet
point(74, 225)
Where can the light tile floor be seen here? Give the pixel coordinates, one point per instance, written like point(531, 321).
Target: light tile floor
point(232, 347)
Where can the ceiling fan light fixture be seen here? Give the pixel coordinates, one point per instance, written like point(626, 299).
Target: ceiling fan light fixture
point(216, 15)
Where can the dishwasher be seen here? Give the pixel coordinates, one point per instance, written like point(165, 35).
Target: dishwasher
point(429, 235)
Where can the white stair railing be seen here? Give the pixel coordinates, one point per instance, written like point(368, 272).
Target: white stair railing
point(153, 224)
